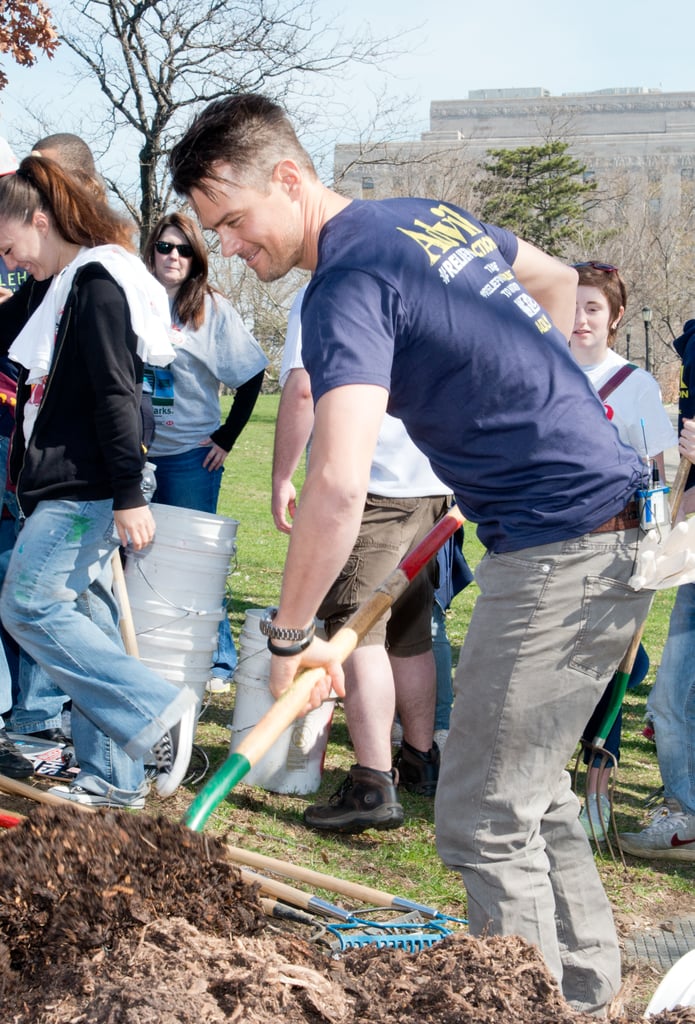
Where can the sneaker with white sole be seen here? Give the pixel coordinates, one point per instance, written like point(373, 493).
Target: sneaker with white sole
point(172, 753)
point(669, 836)
point(77, 794)
point(218, 684)
point(596, 812)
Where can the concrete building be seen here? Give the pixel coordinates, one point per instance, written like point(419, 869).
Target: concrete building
point(643, 133)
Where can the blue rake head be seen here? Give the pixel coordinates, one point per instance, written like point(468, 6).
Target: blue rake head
point(412, 936)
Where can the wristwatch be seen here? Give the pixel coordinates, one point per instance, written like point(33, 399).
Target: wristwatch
point(282, 632)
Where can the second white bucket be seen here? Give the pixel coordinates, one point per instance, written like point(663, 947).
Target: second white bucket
point(295, 761)
point(176, 588)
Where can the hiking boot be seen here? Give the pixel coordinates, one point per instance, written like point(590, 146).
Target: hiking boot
point(172, 753)
point(669, 836)
point(12, 763)
point(79, 795)
point(418, 771)
point(596, 812)
point(367, 798)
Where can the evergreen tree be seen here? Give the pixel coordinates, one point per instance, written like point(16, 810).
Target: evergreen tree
point(538, 192)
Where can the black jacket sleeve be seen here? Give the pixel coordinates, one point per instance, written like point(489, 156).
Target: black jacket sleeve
point(242, 406)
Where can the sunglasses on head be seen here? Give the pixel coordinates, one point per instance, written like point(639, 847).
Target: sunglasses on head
point(182, 248)
point(608, 268)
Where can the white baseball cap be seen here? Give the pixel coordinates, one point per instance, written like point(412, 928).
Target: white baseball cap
point(8, 161)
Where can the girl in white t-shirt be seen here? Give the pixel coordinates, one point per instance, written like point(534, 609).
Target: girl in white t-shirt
point(632, 400)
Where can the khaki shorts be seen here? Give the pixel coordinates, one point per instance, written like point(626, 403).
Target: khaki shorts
point(390, 528)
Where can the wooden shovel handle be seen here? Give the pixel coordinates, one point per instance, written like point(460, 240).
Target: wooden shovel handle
point(126, 624)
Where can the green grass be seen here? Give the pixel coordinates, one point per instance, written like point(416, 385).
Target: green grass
point(403, 861)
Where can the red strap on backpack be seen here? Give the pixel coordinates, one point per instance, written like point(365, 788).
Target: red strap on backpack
point(616, 380)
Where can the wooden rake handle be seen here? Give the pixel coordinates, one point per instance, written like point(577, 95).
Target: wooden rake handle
point(40, 796)
point(293, 701)
point(331, 883)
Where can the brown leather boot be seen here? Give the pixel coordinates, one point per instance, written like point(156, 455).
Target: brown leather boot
point(367, 798)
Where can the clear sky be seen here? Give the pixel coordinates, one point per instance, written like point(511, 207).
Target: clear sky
point(463, 45)
point(450, 48)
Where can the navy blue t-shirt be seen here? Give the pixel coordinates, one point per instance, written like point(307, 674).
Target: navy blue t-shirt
point(419, 297)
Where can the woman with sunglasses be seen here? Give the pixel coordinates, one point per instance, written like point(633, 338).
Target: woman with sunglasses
point(632, 401)
point(212, 347)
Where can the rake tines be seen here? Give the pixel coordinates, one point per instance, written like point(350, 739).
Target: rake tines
point(602, 761)
point(601, 769)
point(408, 934)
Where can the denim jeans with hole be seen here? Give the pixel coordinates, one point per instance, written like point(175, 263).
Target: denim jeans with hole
point(119, 706)
point(183, 481)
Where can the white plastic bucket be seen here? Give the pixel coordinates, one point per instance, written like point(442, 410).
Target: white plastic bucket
point(677, 987)
point(295, 761)
point(176, 588)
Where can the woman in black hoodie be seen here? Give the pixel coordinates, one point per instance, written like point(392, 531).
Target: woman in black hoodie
point(76, 461)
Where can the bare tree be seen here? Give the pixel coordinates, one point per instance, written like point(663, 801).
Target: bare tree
point(157, 61)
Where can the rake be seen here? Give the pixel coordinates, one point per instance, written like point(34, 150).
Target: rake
point(419, 928)
point(347, 929)
point(607, 765)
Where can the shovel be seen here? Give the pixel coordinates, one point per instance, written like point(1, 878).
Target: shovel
point(291, 704)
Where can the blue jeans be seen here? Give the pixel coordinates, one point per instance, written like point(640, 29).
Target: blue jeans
point(36, 701)
point(120, 708)
point(547, 632)
point(441, 648)
point(672, 703)
point(183, 481)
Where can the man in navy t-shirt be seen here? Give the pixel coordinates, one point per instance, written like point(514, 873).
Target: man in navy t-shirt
point(460, 329)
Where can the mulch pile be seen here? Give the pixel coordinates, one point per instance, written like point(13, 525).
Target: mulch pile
point(123, 919)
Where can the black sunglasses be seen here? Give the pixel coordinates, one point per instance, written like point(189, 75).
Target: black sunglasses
point(182, 248)
point(607, 267)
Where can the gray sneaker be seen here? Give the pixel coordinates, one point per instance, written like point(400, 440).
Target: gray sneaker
point(669, 836)
point(172, 753)
point(367, 798)
point(77, 794)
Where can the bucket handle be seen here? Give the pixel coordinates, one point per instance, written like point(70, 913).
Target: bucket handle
point(171, 604)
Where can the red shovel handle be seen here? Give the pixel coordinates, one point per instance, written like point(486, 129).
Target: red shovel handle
point(431, 543)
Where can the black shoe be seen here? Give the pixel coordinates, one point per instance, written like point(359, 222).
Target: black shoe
point(418, 771)
point(51, 735)
point(366, 799)
point(12, 763)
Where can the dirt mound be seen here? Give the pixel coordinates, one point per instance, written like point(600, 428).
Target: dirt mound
point(123, 919)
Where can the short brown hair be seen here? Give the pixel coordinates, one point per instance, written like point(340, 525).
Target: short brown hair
point(74, 156)
point(611, 284)
point(249, 132)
